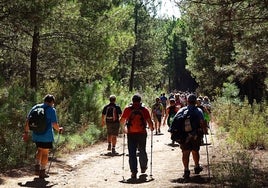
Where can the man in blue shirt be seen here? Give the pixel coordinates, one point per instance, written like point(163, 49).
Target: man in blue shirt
point(45, 139)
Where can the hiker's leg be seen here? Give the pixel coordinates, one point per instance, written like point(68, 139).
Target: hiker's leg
point(38, 156)
point(195, 150)
point(132, 148)
point(196, 157)
point(114, 133)
point(114, 140)
point(143, 159)
point(185, 159)
point(44, 157)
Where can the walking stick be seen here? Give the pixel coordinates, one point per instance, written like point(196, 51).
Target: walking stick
point(207, 155)
point(151, 163)
point(53, 153)
point(123, 164)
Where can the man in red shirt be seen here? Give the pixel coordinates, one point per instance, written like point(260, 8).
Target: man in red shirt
point(135, 119)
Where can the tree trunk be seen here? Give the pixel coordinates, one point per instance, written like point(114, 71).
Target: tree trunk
point(133, 61)
point(34, 55)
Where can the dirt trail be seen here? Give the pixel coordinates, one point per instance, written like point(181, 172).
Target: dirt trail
point(91, 167)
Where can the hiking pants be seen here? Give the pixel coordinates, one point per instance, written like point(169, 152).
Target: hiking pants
point(137, 142)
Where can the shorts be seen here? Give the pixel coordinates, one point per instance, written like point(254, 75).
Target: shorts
point(192, 143)
point(45, 145)
point(113, 128)
point(158, 118)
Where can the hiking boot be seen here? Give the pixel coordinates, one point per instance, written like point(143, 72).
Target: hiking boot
point(143, 170)
point(37, 169)
point(186, 174)
point(109, 147)
point(134, 175)
point(42, 174)
point(198, 169)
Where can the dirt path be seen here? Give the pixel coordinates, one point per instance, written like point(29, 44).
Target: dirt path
point(91, 167)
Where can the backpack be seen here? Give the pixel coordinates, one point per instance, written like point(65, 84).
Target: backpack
point(37, 119)
point(181, 126)
point(136, 122)
point(111, 114)
point(157, 108)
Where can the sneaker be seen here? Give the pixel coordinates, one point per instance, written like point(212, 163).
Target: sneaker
point(113, 151)
point(134, 175)
point(186, 174)
point(198, 169)
point(143, 170)
point(109, 147)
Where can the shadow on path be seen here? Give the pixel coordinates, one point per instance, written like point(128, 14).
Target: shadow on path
point(36, 182)
point(142, 179)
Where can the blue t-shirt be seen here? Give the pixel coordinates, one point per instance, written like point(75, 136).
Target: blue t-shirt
point(51, 117)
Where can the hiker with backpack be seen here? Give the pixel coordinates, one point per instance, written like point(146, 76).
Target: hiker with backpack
point(110, 117)
point(187, 129)
point(171, 111)
point(134, 120)
point(42, 120)
point(164, 99)
point(157, 114)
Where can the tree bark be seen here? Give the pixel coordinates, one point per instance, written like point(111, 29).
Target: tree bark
point(34, 55)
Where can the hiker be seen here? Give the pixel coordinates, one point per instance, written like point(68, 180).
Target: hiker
point(178, 100)
point(192, 142)
point(171, 111)
point(164, 99)
point(110, 117)
point(199, 104)
point(134, 120)
point(44, 141)
point(157, 114)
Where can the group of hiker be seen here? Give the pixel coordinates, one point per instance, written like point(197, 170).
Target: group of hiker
point(136, 117)
point(134, 120)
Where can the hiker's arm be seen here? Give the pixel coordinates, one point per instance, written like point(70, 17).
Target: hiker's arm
point(165, 118)
point(25, 135)
point(103, 120)
point(123, 124)
point(26, 127)
point(57, 127)
point(150, 123)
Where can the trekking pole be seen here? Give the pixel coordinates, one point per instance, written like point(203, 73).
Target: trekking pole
point(151, 163)
point(207, 155)
point(53, 153)
point(123, 164)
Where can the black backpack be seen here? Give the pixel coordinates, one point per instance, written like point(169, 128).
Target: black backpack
point(111, 114)
point(37, 119)
point(181, 126)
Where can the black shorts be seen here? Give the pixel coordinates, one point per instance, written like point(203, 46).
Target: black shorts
point(45, 145)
